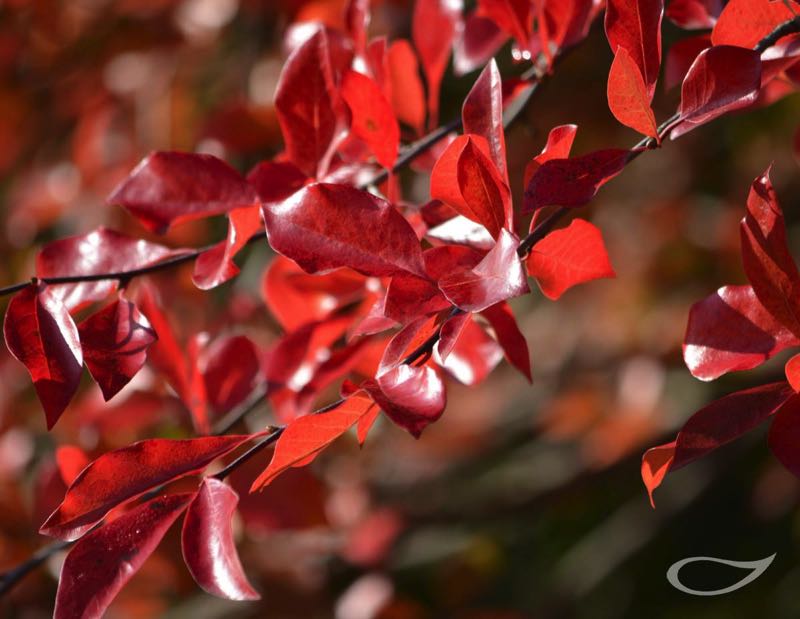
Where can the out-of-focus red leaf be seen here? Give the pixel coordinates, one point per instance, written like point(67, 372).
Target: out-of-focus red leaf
point(680, 57)
point(731, 330)
point(275, 180)
point(563, 23)
point(309, 108)
point(101, 563)
point(745, 22)
point(356, 19)
point(373, 120)
point(230, 371)
point(482, 114)
point(41, 335)
point(115, 341)
point(627, 95)
point(433, 28)
point(694, 14)
point(449, 333)
point(509, 336)
point(792, 370)
point(326, 226)
point(123, 474)
point(636, 27)
point(567, 257)
point(721, 79)
point(71, 461)
point(574, 182)
point(171, 187)
point(499, 276)
point(473, 355)
point(713, 426)
point(216, 266)
point(767, 260)
point(477, 41)
point(559, 144)
point(408, 95)
point(99, 251)
point(784, 433)
point(307, 436)
point(207, 543)
point(514, 16)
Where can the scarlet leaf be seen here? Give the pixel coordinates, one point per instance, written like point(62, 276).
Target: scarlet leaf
point(71, 461)
point(101, 563)
point(509, 337)
point(559, 144)
point(731, 330)
point(482, 114)
point(115, 342)
point(326, 226)
point(636, 27)
point(408, 95)
point(694, 14)
point(721, 79)
point(563, 23)
point(765, 253)
point(123, 474)
point(433, 27)
point(567, 257)
point(513, 16)
point(208, 546)
point(478, 40)
point(99, 251)
point(306, 436)
point(216, 266)
point(170, 187)
point(627, 95)
point(655, 466)
point(373, 119)
point(784, 433)
point(309, 107)
point(499, 276)
point(745, 22)
point(41, 335)
point(574, 182)
point(793, 372)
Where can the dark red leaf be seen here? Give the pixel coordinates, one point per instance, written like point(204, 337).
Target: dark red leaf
point(482, 114)
point(559, 144)
point(231, 370)
point(409, 297)
point(627, 95)
point(510, 338)
point(636, 27)
point(567, 257)
point(326, 226)
point(499, 276)
point(41, 335)
point(208, 546)
point(115, 341)
point(477, 41)
point(731, 330)
point(514, 16)
point(473, 355)
point(694, 14)
point(171, 187)
point(408, 340)
point(124, 474)
point(101, 563)
point(408, 95)
point(745, 22)
point(276, 180)
point(680, 57)
point(784, 434)
point(721, 79)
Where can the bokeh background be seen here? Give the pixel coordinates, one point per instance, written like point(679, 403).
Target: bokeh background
point(523, 501)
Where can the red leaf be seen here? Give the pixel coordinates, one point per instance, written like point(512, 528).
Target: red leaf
point(721, 79)
point(473, 355)
point(99, 251)
point(466, 178)
point(477, 41)
point(208, 546)
point(216, 266)
point(745, 22)
point(407, 340)
point(513, 16)
point(449, 333)
point(308, 105)
point(509, 337)
point(731, 330)
point(71, 461)
point(412, 397)
point(326, 226)
point(636, 27)
point(307, 436)
point(793, 372)
point(627, 96)
point(232, 368)
point(101, 563)
point(409, 297)
point(357, 18)
point(694, 14)
point(408, 95)
point(767, 260)
point(171, 187)
point(482, 114)
point(680, 57)
point(276, 180)
point(115, 342)
point(41, 335)
point(567, 257)
point(124, 474)
point(655, 466)
point(373, 119)
point(559, 144)
point(563, 23)
point(784, 434)
point(574, 182)
point(432, 29)
point(499, 276)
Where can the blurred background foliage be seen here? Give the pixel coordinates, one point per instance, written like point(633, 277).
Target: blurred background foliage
point(523, 501)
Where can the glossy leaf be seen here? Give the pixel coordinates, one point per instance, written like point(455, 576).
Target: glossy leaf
point(568, 257)
point(326, 226)
point(498, 277)
point(509, 336)
point(745, 22)
point(41, 335)
point(170, 187)
point(784, 432)
point(482, 114)
point(115, 341)
point(207, 543)
point(123, 474)
point(101, 563)
point(373, 120)
point(636, 27)
point(731, 330)
point(477, 41)
point(473, 356)
point(627, 95)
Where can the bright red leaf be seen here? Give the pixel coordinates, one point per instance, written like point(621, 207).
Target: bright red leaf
point(473, 355)
point(373, 120)
point(745, 22)
point(636, 27)
point(509, 336)
point(477, 41)
point(627, 95)
point(408, 95)
point(514, 16)
point(482, 114)
point(793, 372)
